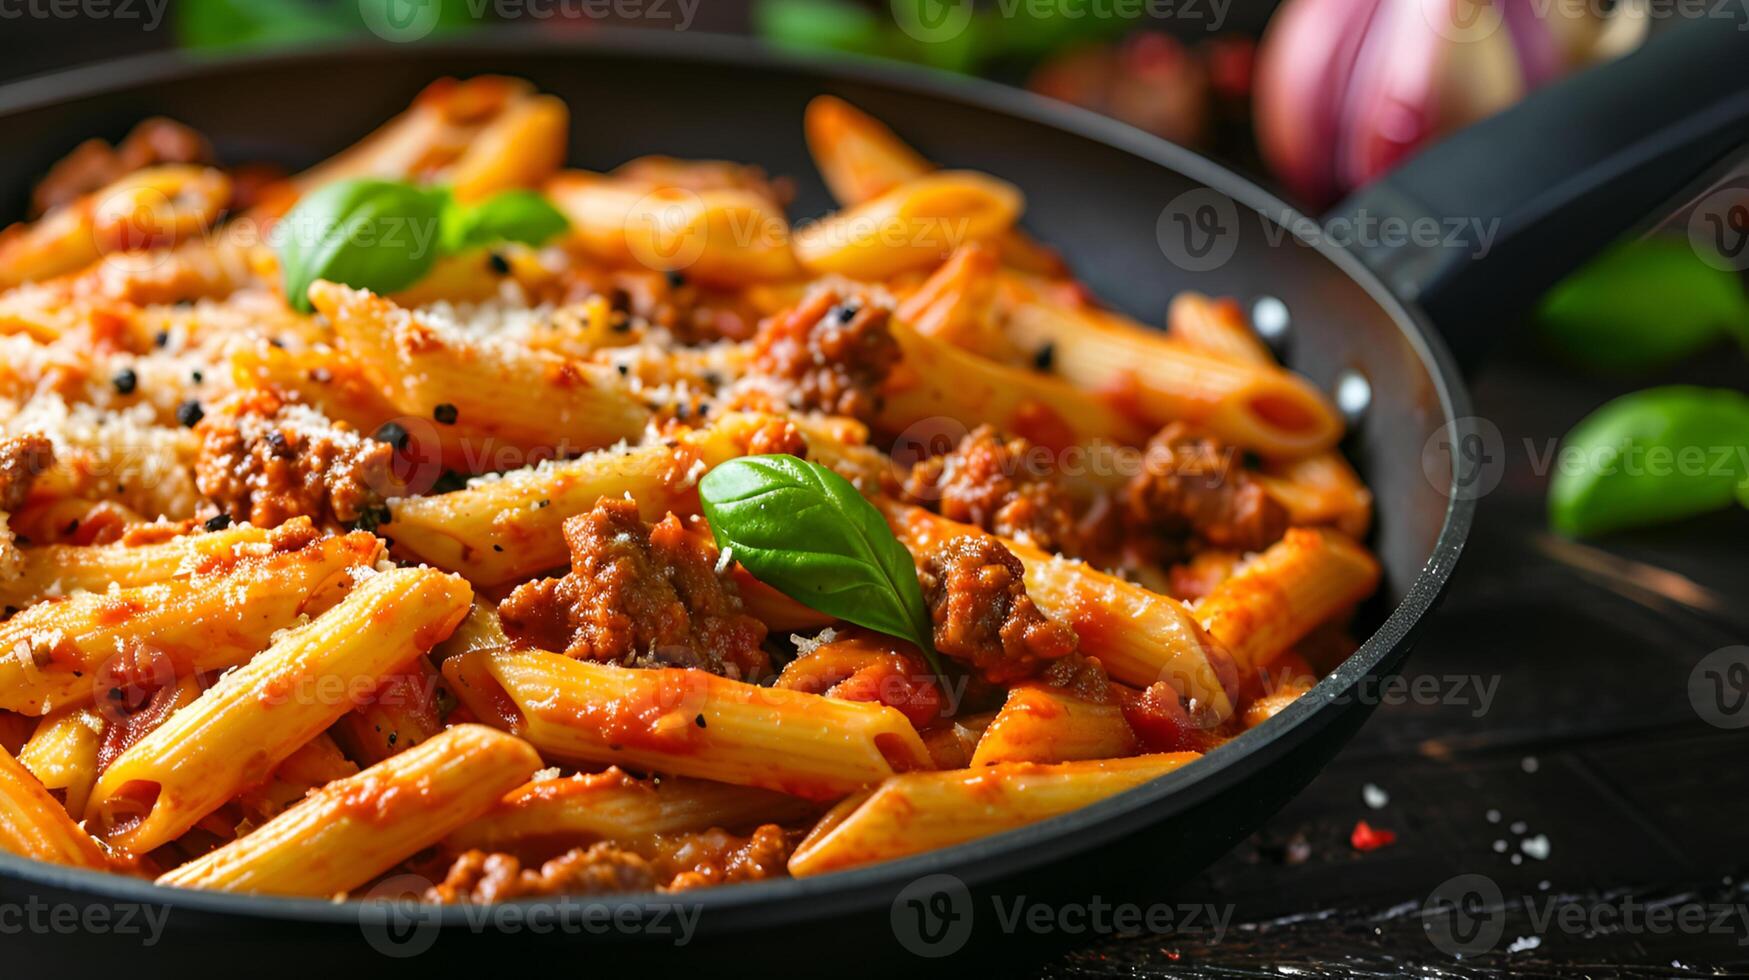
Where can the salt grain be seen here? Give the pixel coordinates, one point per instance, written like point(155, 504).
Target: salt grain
point(1374, 797)
point(1523, 943)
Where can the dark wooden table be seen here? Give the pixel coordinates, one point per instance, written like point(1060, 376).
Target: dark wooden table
point(1563, 716)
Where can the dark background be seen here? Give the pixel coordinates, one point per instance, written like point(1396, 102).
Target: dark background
point(1590, 743)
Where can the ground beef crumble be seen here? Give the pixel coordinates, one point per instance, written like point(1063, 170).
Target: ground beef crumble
point(638, 595)
point(1081, 677)
point(1192, 486)
point(479, 876)
point(266, 461)
point(667, 862)
point(1002, 486)
point(977, 598)
point(22, 458)
point(831, 353)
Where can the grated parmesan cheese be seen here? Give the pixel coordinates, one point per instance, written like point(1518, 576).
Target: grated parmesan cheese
point(806, 645)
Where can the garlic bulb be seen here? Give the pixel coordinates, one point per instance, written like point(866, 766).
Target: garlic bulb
point(1347, 88)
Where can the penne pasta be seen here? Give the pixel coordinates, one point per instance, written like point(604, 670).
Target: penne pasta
point(62, 754)
point(1322, 489)
point(502, 394)
point(937, 380)
point(1041, 723)
point(954, 305)
point(326, 378)
point(687, 723)
point(1215, 326)
point(151, 207)
point(65, 568)
point(923, 811)
point(55, 655)
point(508, 527)
point(858, 156)
point(33, 823)
point(911, 226)
point(440, 128)
point(353, 830)
point(313, 765)
point(550, 815)
point(1255, 406)
point(723, 236)
point(1273, 600)
point(519, 147)
point(277, 702)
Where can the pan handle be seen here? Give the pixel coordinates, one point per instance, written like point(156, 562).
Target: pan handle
point(1523, 198)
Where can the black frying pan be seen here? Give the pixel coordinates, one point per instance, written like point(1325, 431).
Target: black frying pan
point(1565, 172)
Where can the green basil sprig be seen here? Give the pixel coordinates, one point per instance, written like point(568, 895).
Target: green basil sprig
point(1650, 457)
point(805, 531)
point(385, 235)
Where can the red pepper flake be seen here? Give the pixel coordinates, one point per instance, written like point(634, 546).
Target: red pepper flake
point(1364, 838)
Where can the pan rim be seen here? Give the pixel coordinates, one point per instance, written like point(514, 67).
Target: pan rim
point(976, 862)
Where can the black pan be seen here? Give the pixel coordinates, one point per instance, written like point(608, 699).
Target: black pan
point(1566, 172)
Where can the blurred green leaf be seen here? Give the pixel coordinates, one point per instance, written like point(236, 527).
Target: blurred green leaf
point(821, 25)
point(1643, 305)
point(931, 32)
point(1651, 457)
point(217, 25)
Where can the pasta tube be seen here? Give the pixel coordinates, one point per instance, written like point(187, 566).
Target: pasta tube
point(55, 655)
point(687, 723)
point(235, 733)
point(351, 831)
point(923, 811)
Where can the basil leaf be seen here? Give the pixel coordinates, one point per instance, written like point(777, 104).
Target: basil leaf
point(511, 216)
point(1642, 305)
point(805, 531)
point(1651, 457)
point(379, 235)
point(821, 25)
point(238, 24)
